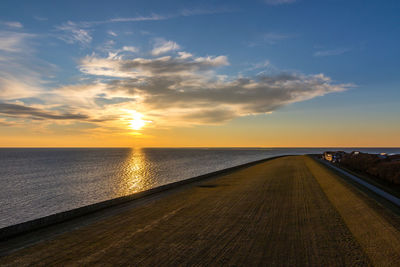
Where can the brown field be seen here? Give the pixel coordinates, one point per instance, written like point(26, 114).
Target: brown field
point(290, 211)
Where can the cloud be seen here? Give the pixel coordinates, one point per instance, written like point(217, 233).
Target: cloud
point(13, 24)
point(103, 67)
point(14, 41)
point(112, 33)
point(332, 52)
point(74, 34)
point(187, 90)
point(15, 85)
point(79, 32)
point(184, 55)
point(15, 110)
point(142, 67)
point(187, 12)
point(279, 2)
point(139, 18)
point(238, 97)
point(130, 49)
point(20, 72)
point(208, 116)
point(162, 46)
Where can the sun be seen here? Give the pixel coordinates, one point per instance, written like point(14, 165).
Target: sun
point(136, 122)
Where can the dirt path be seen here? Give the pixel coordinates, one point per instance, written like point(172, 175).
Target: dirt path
point(275, 213)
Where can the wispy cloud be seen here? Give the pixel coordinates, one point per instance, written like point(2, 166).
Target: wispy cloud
point(187, 12)
point(332, 52)
point(138, 18)
point(132, 49)
point(20, 71)
point(112, 33)
point(79, 32)
point(162, 46)
point(73, 33)
point(14, 85)
point(14, 41)
point(13, 24)
point(279, 2)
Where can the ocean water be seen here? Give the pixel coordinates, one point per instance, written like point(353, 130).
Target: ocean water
point(36, 182)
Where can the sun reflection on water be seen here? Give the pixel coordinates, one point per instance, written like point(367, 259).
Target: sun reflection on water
point(136, 174)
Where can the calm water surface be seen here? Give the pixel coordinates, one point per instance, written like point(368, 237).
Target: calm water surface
point(39, 182)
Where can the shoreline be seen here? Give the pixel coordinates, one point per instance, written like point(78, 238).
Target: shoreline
point(61, 217)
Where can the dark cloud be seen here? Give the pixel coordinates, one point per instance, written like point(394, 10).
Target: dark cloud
point(259, 94)
point(174, 65)
point(210, 116)
point(15, 110)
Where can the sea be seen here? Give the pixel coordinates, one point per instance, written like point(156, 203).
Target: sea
point(36, 182)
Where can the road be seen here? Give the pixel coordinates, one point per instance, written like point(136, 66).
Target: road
point(290, 211)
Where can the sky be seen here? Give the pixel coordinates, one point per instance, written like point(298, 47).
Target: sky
point(263, 73)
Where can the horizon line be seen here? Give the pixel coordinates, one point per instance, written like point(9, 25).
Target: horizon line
point(277, 147)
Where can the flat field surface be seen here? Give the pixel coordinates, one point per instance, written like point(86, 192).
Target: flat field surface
point(289, 211)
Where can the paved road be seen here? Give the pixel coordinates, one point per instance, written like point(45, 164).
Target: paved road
point(290, 211)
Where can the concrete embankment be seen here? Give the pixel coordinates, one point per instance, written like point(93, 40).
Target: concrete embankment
point(290, 211)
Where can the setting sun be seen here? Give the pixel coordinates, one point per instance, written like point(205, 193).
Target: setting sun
point(137, 123)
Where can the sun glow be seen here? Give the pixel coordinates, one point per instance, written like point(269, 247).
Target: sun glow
point(136, 122)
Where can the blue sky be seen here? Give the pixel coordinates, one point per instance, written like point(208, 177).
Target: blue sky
point(98, 59)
